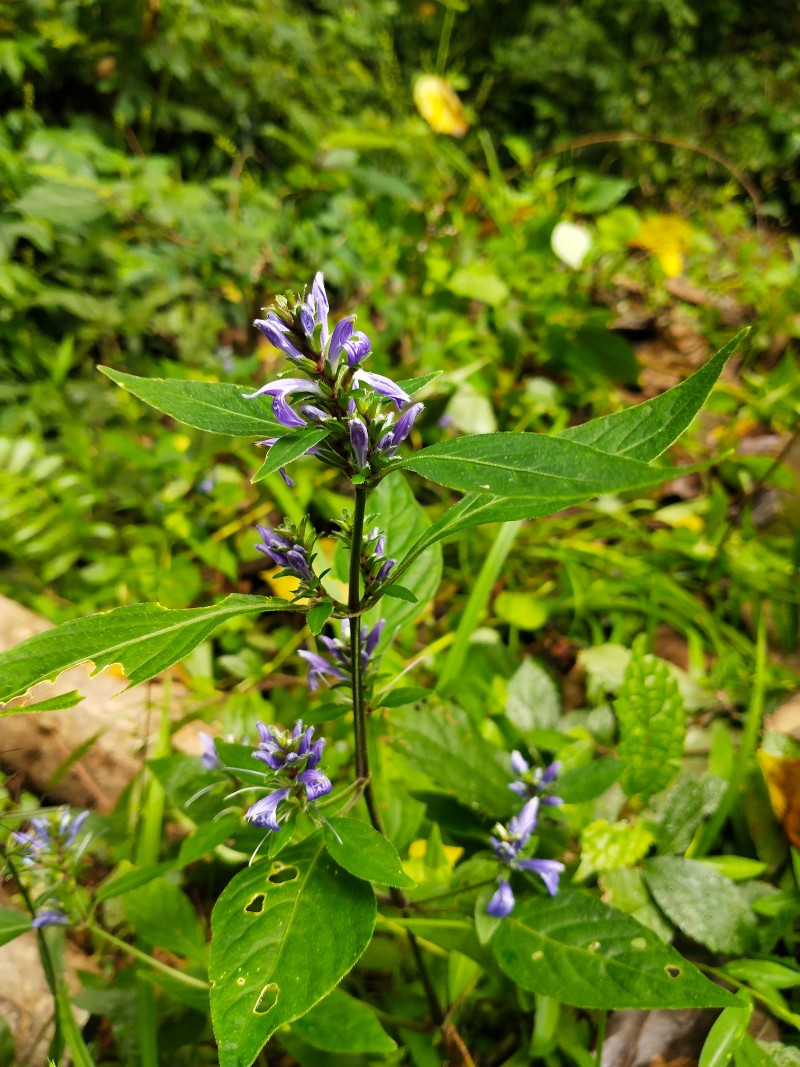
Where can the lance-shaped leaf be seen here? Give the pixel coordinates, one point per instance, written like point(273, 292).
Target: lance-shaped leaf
point(580, 951)
point(529, 465)
point(290, 446)
point(284, 934)
point(642, 433)
point(216, 406)
point(144, 639)
point(645, 431)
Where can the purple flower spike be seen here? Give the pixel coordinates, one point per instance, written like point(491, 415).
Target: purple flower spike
point(502, 903)
point(373, 637)
point(385, 386)
point(548, 870)
point(316, 784)
point(276, 331)
point(316, 753)
point(551, 773)
point(357, 347)
point(359, 442)
point(49, 917)
point(264, 812)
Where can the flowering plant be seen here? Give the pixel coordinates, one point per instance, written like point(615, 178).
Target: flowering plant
point(294, 921)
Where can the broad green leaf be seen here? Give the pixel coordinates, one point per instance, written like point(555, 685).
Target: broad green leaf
point(365, 853)
point(606, 846)
point(284, 935)
point(444, 744)
point(530, 465)
point(340, 1023)
point(580, 784)
point(532, 701)
point(291, 446)
point(403, 520)
point(624, 888)
point(704, 904)
point(144, 638)
point(652, 725)
point(402, 695)
point(13, 923)
point(216, 406)
point(161, 914)
point(645, 431)
point(688, 803)
point(318, 615)
point(580, 951)
point(206, 838)
point(764, 973)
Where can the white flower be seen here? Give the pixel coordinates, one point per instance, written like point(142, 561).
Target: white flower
point(571, 243)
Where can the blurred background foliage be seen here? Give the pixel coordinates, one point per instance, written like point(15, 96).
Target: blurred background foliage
point(165, 168)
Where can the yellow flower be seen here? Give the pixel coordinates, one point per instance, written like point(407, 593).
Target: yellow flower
point(440, 106)
point(668, 237)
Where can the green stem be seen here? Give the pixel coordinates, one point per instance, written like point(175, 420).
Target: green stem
point(601, 1037)
point(444, 40)
point(360, 728)
point(157, 965)
point(73, 1038)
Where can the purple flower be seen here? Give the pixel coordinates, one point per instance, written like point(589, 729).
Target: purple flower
point(403, 427)
point(320, 669)
point(508, 844)
point(209, 758)
point(386, 567)
point(285, 553)
point(359, 443)
point(342, 332)
point(385, 386)
point(279, 390)
point(264, 812)
point(534, 782)
point(316, 784)
point(49, 917)
point(278, 334)
point(357, 347)
point(48, 837)
point(319, 301)
point(281, 750)
point(502, 903)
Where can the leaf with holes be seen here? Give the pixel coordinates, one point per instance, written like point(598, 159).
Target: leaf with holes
point(144, 638)
point(284, 934)
point(365, 853)
point(578, 950)
point(652, 725)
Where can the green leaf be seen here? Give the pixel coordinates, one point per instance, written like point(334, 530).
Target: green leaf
point(118, 884)
point(764, 973)
point(725, 1035)
point(399, 592)
point(475, 284)
point(607, 846)
point(144, 638)
point(532, 702)
point(691, 801)
point(364, 852)
point(291, 446)
point(645, 431)
point(406, 694)
point(162, 915)
point(454, 935)
point(414, 385)
point(585, 783)
point(530, 465)
point(13, 923)
point(284, 935)
point(340, 1023)
point(319, 615)
point(445, 745)
point(580, 951)
point(702, 902)
point(652, 725)
point(57, 703)
point(219, 407)
point(206, 838)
